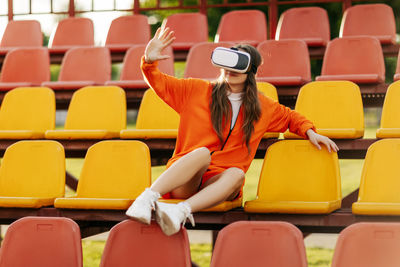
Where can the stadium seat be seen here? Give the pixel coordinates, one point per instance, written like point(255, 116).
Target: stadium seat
point(356, 59)
point(32, 174)
point(42, 242)
point(378, 194)
point(368, 245)
point(131, 74)
point(189, 29)
point(310, 186)
point(390, 120)
point(357, 21)
point(397, 72)
point(335, 108)
point(126, 31)
point(310, 24)
point(23, 67)
point(95, 112)
point(242, 26)
point(272, 244)
point(155, 119)
point(198, 63)
point(269, 90)
point(21, 33)
point(27, 112)
point(131, 243)
point(114, 173)
point(285, 63)
point(83, 66)
point(71, 32)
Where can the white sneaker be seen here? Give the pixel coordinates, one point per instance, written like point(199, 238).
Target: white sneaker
point(141, 208)
point(171, 217)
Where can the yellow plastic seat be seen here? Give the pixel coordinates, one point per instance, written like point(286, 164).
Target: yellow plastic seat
point(95, 112)
point(390, 120)
point(224, 206)
point(335, 108)
point(268, 90)
point(379, 186)
point(155, 120)
point(114, 173)
point(310, 185)
point(27, 112)
point(32, 174)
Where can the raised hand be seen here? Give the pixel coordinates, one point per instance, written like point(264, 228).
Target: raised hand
point(315, 139)
point(162, 39)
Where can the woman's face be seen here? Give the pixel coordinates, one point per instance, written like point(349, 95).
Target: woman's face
point(234, 79)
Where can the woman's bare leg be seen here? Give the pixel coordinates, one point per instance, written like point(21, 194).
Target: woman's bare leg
point(183, 178)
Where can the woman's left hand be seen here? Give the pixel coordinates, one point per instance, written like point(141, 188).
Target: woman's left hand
point(316, 139)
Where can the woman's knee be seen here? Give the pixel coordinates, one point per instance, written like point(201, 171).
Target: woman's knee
point(237, 175)
point(203, 154)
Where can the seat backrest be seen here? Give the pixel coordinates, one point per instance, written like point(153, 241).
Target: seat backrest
point(86, 64)
point(320, 101)
point(26, 65)
point(132, 29)
point(154, 113)
point(131, 64)
point(33, 169)
point(198, 61)
point(357, 20)
point(42, 241)
point(379, 178)
point(353, 55)
point(20, 33)
point(268, 90)
point(131, 243)
point(368, 245)
point(284, 58)
point(313, 174)
point(248, 243)
point(73, 31)
point(115, 169)
point(390, 110)
point(28, 108)
point(97, 108)
point(242, 26)
point(310, 24)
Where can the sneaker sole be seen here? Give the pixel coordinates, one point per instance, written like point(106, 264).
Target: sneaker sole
point(167, 226)
point(139, 219)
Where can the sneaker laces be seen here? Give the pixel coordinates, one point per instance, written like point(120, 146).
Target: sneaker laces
point(187, 211)
point(153, 195)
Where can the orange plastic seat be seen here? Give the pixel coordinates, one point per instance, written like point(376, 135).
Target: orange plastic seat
point(24, 67)
point(131, 74)
point(83, 66)
point(235, 26)
point(126, 31)
point(356, 59)
point(189, 29)
point(375, 20)
point(368, 245)
point(272, 244)
point(42, 242)
point(198, 61)
point(285, 63)
point(21, 33)
point(71, 32)
point(131, 243)
point(310, 24)
point(95, 112)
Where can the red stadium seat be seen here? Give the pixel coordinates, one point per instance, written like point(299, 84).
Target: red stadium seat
point(310, 24)
point(131, 243)
point(126, 31)
point(189, 29)
point(42, 241)
point(397, 72)
point(356, 59)
point(242, 26)
point(131, 74)
point(24, 67)
point(285, 63)
point(376, 20)
point(70, 32)
point(83, 66)
point(21, 33)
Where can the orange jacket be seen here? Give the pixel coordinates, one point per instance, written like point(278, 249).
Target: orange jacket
point(191, 99)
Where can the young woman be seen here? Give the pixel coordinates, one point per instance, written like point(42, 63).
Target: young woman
point(221, 125)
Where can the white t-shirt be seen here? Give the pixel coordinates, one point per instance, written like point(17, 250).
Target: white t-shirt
point(236, 101)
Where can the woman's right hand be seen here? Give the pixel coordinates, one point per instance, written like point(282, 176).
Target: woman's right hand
point(162, 39)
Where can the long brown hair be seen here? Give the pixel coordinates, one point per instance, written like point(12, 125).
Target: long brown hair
point(220, 107)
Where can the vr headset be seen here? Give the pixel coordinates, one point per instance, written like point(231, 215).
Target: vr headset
point(231, 59)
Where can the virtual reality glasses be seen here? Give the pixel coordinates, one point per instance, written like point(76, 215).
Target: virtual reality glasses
point(231, 59)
